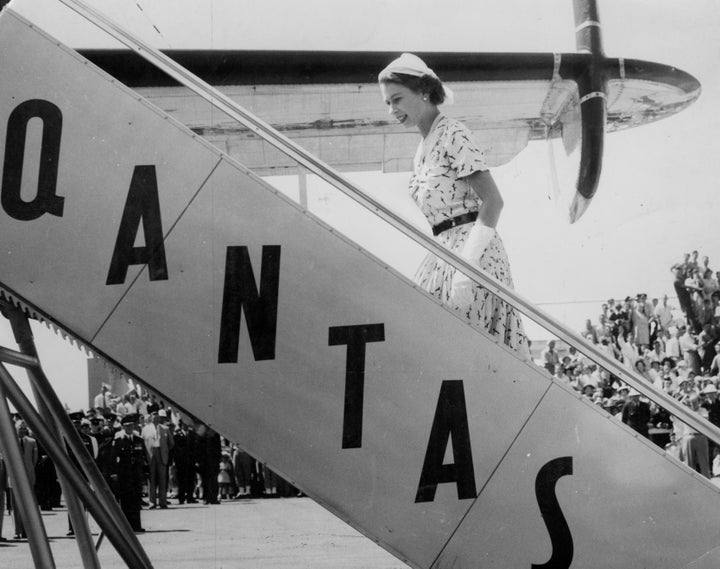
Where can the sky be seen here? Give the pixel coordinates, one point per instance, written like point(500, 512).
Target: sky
point(657, 196)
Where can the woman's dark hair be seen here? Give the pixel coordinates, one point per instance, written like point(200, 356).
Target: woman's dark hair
point(426, 85)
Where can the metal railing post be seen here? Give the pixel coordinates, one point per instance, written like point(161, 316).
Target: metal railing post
point(22, 491)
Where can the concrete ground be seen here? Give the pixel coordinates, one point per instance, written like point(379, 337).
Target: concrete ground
point(280, 533)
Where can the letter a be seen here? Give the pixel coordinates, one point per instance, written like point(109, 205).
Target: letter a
point(143, 204)
point(450, 420)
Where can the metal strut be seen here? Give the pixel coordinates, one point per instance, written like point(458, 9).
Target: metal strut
point(23, 492)
point(53, 428)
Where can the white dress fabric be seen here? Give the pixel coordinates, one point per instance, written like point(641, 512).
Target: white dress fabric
point(443, 159)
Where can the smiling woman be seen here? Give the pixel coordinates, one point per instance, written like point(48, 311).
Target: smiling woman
point(412, 92)
point(458, 196)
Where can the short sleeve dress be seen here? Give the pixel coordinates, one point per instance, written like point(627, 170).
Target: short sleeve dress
point(444, 158)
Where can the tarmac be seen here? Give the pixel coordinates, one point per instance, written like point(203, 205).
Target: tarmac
point(279, 533)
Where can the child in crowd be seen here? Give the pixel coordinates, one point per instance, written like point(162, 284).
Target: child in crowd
point(224, 478)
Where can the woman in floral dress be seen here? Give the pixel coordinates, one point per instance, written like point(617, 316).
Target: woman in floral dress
point(455, 191)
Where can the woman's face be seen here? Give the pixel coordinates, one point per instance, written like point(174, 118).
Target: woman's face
point(404, 104)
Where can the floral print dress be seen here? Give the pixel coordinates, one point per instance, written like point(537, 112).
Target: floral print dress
point(444, 158)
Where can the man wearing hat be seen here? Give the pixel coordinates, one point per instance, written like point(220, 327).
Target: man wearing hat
point(588, 390)
point(127, 466)
point(636, 413)
point(104, 436)
point(621, 395)
point(184, 456)
point(158, 442)
point(83, 426)
point(686, 388)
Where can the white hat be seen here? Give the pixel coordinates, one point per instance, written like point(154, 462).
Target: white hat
point(409, 64)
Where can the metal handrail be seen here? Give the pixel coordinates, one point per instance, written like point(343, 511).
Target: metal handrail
point(223, 103)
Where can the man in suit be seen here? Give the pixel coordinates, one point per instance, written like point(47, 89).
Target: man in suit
point(29, 451)
point(184, 452)
point(159, 442)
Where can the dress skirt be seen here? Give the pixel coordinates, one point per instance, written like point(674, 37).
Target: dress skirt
point(486, 312)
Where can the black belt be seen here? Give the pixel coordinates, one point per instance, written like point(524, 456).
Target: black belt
point(454, 222)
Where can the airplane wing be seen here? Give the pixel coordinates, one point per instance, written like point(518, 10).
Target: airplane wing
point(329, 103)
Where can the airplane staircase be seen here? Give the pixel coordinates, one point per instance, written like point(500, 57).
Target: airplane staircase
point(185, 270)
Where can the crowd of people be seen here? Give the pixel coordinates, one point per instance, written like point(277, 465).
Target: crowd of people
point(149, 454)
point(677, 349)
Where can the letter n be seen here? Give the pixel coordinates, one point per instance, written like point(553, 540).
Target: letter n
point(450, 422)
point(142, 205)
point(260, 307)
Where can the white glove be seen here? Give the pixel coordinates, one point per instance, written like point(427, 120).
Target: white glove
point(461, 292)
